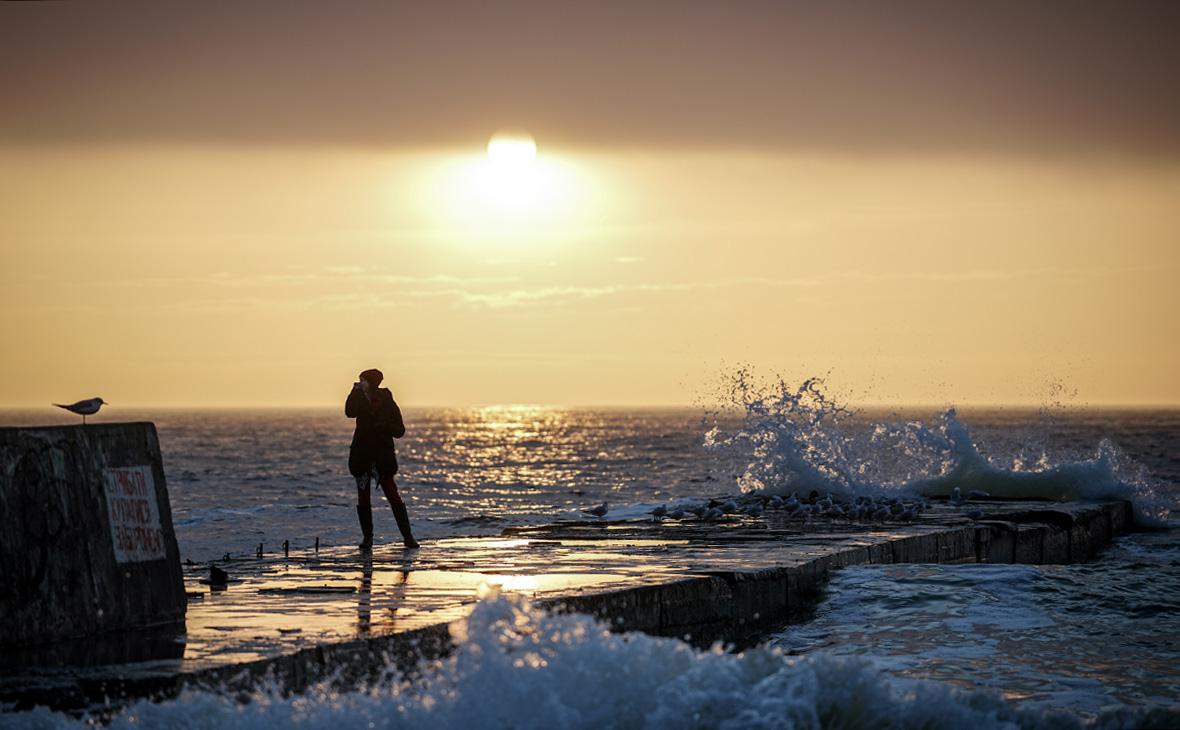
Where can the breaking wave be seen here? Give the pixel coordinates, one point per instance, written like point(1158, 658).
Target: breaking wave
point(521, 667)
point(799, 438)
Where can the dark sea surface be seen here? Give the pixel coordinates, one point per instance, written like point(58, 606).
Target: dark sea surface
point(984, 645)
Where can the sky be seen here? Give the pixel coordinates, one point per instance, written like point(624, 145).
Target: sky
point(926, 202)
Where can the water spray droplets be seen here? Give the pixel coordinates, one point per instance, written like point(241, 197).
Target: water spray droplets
point(799, 439)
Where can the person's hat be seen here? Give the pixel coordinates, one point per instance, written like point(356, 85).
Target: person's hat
point(374, 376)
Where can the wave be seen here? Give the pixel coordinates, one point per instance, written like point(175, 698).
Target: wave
point(518, 666)
point(799, 438)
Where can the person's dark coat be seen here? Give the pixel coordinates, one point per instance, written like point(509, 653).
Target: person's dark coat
point(378, 423)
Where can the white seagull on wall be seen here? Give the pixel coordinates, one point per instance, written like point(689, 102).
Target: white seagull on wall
point(85, 408)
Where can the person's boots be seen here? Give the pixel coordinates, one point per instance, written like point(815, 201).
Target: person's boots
point(365, 514)
point(403, 524)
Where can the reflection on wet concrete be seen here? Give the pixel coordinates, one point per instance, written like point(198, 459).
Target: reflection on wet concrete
point(339, 594)
point(364, 601)
point(276, 606)
point(342, 595)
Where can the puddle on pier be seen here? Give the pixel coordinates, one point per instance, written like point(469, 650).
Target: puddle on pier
point(284, 609)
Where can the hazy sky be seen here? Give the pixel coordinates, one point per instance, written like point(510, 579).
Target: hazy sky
point(248, 204)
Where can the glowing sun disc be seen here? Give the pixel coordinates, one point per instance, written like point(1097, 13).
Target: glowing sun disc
point(512, 149)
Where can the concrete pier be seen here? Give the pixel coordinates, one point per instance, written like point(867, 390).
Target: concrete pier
point(307, 616)
point(86, 540)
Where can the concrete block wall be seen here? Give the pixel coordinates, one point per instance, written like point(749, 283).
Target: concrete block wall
point(86, 538)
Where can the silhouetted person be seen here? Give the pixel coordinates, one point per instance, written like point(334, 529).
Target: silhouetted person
point(378, 423)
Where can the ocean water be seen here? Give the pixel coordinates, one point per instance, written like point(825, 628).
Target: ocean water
point(890, 646)
point(238, 478)
point(1079, 639)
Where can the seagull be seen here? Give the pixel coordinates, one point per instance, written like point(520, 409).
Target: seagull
point(659, 511)
point(598, 511)
point(85, 407)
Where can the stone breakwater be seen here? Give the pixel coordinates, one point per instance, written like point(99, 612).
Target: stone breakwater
point(338, 613)
point(731, 604)
point(87, 545)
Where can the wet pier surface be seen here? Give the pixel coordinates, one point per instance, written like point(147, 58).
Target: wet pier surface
point(301, 617)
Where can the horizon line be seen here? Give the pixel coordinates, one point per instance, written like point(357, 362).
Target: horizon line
point(1111, 405)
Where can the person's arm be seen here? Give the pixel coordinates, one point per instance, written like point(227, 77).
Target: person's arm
point(388, 415)
point(399, 426)
point(357, 403)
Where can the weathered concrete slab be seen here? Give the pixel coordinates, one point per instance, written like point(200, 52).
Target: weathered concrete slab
point(300, 618)
point(87, 544)
point(1055, 548)
point(1030, 544)
point(1120, 517)
point(997, 543)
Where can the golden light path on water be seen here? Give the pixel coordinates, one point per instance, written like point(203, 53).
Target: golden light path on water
point(512, 453)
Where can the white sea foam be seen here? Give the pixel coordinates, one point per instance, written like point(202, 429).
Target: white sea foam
point(798, 438)
point(520, 667)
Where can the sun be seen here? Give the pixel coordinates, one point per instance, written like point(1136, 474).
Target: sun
point(513, 183)
point(512, 150)
point(513, 192)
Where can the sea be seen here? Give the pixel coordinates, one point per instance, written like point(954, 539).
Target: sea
point(887, 646)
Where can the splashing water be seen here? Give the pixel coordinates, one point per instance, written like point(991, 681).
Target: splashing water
point(518, 666)
point(798, 438)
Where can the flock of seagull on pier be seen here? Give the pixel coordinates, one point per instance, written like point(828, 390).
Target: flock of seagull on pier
point(882, 508)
